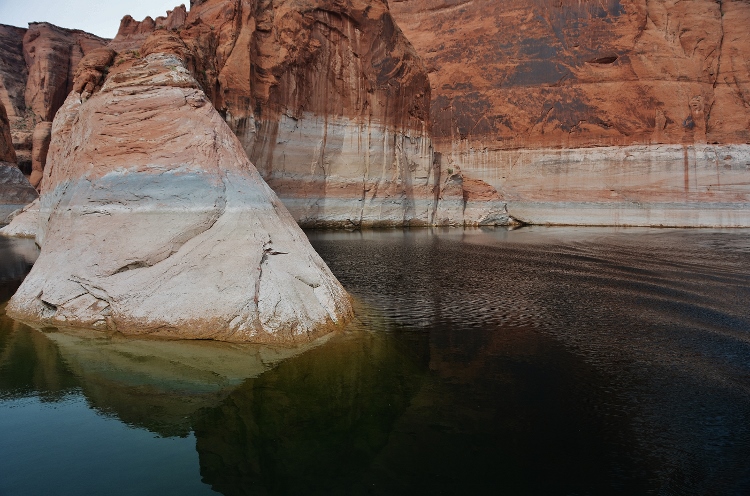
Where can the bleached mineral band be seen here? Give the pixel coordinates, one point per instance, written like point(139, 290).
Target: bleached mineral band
point(649, 185)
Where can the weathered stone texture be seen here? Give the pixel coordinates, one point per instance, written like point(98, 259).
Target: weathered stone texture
point(575, 75)
point(182, 236)
point(329, 100)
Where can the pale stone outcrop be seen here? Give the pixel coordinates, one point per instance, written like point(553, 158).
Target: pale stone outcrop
point(153, 221)
point(638, 185)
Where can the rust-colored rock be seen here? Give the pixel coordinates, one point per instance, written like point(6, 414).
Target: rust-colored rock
point(37, 70)
point(132, 33)
point(577, 75)
point(13, 72)
point(328, 98)
point(92, 69)
point(52, 55)
point(13, 77)
point(40, 147)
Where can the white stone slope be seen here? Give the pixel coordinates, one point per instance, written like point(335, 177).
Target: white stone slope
point(153, 221)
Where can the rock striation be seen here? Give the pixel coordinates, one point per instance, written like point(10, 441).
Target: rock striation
point(593, 112)
point(183, 238)
point(15, 190)
point(329, 100)
point(13, 77)
point(37, 70)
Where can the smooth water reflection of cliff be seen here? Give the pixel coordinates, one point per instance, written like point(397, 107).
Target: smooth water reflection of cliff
point(534, 361)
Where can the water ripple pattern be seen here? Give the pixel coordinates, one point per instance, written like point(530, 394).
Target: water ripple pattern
point(663, 313)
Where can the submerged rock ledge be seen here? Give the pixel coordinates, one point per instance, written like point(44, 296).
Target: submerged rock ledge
point(153, 221)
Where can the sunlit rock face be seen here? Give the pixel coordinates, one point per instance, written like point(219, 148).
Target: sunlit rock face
point(330, 102)
point(182, 237)
point(566, 106)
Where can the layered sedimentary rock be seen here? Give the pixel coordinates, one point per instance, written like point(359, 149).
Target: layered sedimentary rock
point(13, 77)
point(37, 70)
point(52, 55)
point(329, 100)
point(15, 190)
point(182, 236)
point(593, 112)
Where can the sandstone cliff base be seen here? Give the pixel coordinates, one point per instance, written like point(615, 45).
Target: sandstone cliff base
point(639, 185)
point(153, 221)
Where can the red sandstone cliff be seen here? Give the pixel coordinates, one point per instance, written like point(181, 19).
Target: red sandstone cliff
point(525, 95)
point(328, 98)
point(580, 73)
point(13, 77)
point(37, 69)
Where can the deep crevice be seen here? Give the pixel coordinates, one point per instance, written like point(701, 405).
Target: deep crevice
point(604, 60)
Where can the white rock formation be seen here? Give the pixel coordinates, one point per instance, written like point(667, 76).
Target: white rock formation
point(153, 221)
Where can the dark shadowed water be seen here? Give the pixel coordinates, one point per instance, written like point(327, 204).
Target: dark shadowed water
point(537, 361)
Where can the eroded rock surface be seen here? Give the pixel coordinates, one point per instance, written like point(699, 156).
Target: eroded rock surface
point(182, 236)
point(13, 77)
point(37, 70)
point(604, 82)
point(328, 98)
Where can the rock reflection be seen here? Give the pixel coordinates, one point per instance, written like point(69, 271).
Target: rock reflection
point(557, 361)
point(30, 364)
point(313, 423)
point(161, 385)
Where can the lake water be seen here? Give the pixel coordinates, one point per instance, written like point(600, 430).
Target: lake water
point(534, 361)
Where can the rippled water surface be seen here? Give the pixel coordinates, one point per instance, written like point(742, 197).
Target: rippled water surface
point(535, 361)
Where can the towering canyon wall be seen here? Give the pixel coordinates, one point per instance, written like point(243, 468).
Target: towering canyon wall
point(37, 69)
point(13, 77)
point(624, 112)
point(330, 102)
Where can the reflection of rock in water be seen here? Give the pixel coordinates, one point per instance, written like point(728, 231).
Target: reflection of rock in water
point(160, 384)
point(313, 422)
point(30, 363)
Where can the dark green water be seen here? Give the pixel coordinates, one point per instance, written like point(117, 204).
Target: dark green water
point(536, 361)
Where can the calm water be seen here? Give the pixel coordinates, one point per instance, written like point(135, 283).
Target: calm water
point(535, 361)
